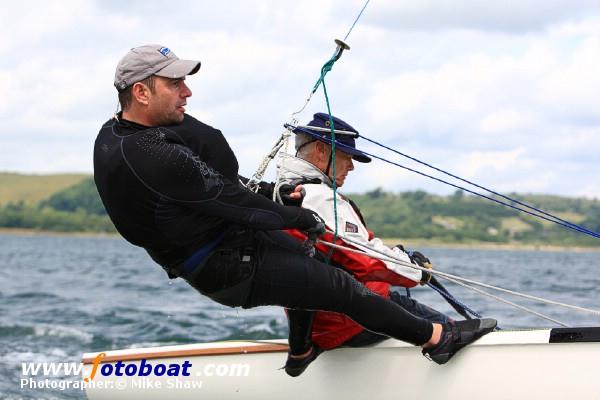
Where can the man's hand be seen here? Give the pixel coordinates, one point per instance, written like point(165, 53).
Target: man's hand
point(266, 189)
point(292, 195)
point(418, 258)
point(313, 232)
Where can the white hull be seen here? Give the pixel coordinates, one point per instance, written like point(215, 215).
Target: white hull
point(501, 365)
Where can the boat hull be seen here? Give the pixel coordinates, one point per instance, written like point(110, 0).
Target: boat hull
point(502, 365)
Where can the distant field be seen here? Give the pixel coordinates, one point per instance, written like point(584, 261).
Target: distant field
point(33, 188)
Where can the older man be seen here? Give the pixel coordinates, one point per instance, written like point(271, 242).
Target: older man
point(312, 167)
point(170, 184)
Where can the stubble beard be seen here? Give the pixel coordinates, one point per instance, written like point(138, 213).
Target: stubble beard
point(171, 118)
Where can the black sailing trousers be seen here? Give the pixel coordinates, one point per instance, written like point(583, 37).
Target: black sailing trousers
point(257, 268)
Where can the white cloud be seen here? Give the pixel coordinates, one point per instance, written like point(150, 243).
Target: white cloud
point(24, 24)
point(502, 121)
point(482, 162)
point(572, 88)
point(509, 15)
point(503, 92)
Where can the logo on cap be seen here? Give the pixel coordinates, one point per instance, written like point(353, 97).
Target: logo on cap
point(164, 51)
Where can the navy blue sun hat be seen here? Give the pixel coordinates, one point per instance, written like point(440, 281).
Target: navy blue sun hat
point(320, 129)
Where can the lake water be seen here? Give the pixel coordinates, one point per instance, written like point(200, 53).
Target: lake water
point(62, 296)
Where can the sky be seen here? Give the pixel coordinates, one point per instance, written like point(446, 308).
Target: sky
point(504, 93)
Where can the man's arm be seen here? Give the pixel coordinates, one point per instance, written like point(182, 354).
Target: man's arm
point(174, 172)
point(264, 188)
point(290, 195)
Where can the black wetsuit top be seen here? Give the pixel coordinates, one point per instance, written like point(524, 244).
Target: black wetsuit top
point(173, 189)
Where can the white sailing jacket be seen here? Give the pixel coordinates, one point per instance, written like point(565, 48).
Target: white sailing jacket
point(319, 198)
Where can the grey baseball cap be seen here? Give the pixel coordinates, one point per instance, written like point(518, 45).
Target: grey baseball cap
point(151, 59)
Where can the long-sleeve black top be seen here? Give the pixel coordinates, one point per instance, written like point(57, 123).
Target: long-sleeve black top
point(173, 189)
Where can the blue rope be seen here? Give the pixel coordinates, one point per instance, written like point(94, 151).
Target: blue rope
point(449, 297)
point(572, 225)
point(556, 221)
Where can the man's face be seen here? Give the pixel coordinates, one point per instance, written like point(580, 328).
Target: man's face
point(343, 165)
point(343, 162)
point(167, 104)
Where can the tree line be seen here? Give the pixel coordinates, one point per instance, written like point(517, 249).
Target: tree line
point(456, 218)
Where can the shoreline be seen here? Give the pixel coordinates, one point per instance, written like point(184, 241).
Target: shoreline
point(36, 232)
point(411, 243)
point(416, 243)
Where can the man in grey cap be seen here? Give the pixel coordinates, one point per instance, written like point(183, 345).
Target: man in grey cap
point(153, 71)
point(170, 184)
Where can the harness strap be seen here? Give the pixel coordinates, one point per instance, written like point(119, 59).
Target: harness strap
point(200, 255)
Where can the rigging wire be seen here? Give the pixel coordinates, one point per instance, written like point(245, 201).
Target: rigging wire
point(356, 20)
point(257, 177)
point(500, 299)
point(386, 257)
point(341, 46)
point(253, 183)
point(570, 224)
point(396, 260)
point(459, 306)
point(558, 222)
point(452, 278)
point(326, 68)
point(336, 55)
point(455, 279)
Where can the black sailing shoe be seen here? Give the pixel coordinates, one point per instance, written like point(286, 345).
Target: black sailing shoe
point(457, 335)
point(295, 366)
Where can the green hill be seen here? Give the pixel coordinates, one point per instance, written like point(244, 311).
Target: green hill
point(50, 203)
point(461, 218)
point(74, 207)
point(31, 189)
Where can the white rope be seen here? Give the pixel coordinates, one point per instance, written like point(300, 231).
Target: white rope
point(387, 257)
point(520, 307)
point(523, 295)
point(392, 259)
point(308, 99)
point(279, 171)
point(254, 182)
point(282, 168)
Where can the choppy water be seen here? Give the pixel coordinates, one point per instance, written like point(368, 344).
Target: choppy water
point(61, 296)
